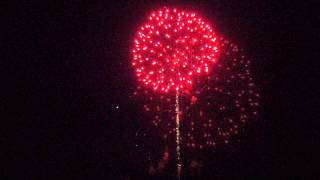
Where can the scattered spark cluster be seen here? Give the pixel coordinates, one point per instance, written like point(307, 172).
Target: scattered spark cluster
point(171, 48)
point(214, 109)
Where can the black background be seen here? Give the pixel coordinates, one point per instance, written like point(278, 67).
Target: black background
point(68, 68)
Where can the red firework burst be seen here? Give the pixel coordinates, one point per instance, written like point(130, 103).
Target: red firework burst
point(171, 48)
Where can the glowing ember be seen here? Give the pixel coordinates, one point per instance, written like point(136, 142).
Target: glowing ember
point(171, 48)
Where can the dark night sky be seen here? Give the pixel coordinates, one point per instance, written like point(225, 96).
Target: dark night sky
point(68, 69)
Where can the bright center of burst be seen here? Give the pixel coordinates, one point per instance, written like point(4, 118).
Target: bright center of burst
point(171, 48)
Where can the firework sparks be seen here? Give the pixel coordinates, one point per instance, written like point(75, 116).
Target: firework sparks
point(171, 48)
point(172, 51)
point(215, 109)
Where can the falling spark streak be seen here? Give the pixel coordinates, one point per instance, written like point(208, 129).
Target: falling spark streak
point(179, 164)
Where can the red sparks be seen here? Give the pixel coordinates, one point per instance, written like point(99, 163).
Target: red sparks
point(172, 47)
point(216, 109)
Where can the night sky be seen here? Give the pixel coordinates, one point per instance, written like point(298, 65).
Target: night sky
point(68, 83)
